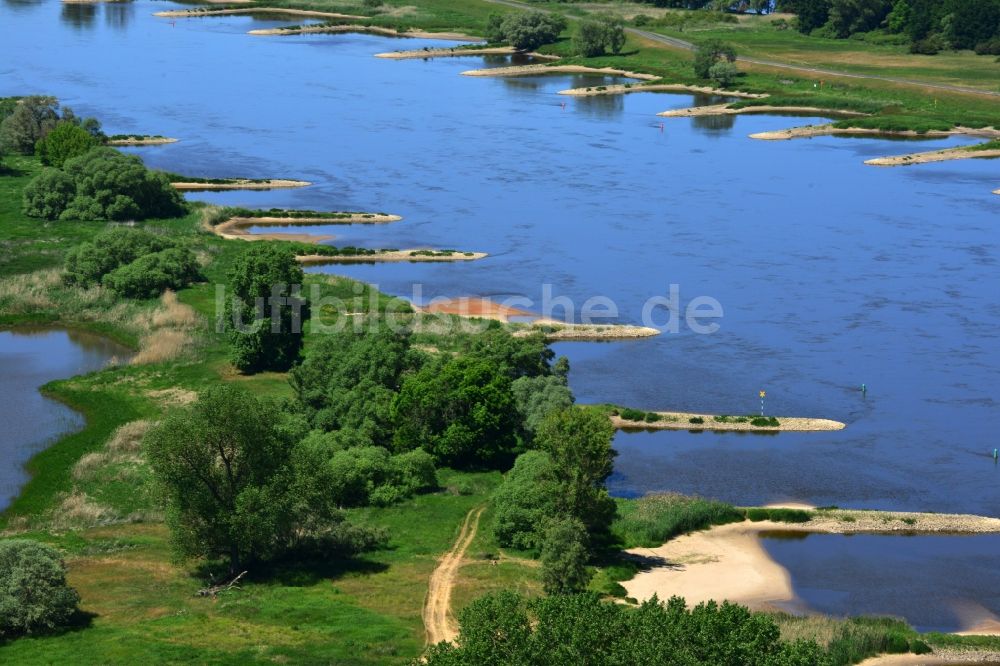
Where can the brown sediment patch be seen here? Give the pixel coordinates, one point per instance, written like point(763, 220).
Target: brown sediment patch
point(622, 89)
point(142, 141)
point(242, 184)
point(236, 227)
point(195, 13)
point(370, 29)
point(471, 306)
point(729, 110)
point(558, 330)
point(808, 131)
point(682, 421)
point(458, 52)
point(393, 255)
point(945, 155)
point(532, 70)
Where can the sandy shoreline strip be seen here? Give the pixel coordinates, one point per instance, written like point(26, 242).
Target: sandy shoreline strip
point(237, 227)
point(242, 184)
point(394, 255)
point(555, 331)
point(729, 561)
point(622, 89)
point(456, 52)
point(808, 131)
point(142, 141)
point(194, 13)
point(940, 657)
point(370, 29)
point(728, 110)
point(532, 70)
point(681, 421)
point(945, 155)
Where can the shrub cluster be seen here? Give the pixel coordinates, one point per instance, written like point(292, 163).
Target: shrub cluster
point(34, 595)
point(133, 263)
point(524, 30)
point(101, 184)
point(654, 519)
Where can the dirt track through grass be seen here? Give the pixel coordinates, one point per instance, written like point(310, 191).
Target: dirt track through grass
point(438, 624)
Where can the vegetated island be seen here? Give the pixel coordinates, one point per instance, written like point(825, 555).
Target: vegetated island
point(334, 28)
point(984, 151)
point(729, 562)
point(206, 11)
point(730, 109)
point(138, 140)
point(625, 418)
point(458, 51)
point(625, 88)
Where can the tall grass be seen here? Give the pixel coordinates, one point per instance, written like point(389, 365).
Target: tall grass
point(654, 519)
point(852, 640)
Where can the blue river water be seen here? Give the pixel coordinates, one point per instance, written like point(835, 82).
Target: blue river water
point(830, 273)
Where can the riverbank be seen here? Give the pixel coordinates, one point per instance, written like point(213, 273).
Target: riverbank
point(623, 89)
point(196, 13)
point(367, 29)
point(948, 154)
point(238, 184)
point(559, 331)
point(412, 255)
point(728, 110)
point(729, 561)
point(534, 70)
point(695, 421)
point(141, 141)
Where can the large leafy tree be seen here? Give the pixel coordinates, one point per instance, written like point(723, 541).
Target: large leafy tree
point(529, 30)
point(34, 594)
point(709, 53)
point(266, 312)
point(564, 556)
point(65, 141)
point(30, 120)
point(526, 501)
point(229, 476)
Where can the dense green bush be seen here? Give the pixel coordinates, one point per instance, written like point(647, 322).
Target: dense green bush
point(599, 36)
point(723, 73)
point(88, 263)
point(107, 185)
point(710, 53)
point(66, 141)
point(524, 30)
point(34, 595)
point(654, 519)
point(757, 514)
point(765, 422)
point(537, 397)
point(149, 275)
point(370, 475)
point(629, 414)
point(565, 551)
point(504, 628)
point(27, 120)
point(48, 194)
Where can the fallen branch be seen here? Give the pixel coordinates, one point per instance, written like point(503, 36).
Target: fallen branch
point(215, 590)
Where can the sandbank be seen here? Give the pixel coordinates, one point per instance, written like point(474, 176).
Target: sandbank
point(389, 255)
point(531, 70)
point(728, 110)
point(242, 184)
point(193, 13)
point(940, 657)
point(945, 155)
point(472, 306)
point(371, 29)
point(681, 421)
point(554, 330)
point(622, 89)
point(458, 52)
point(808, 131)
point(142, 141)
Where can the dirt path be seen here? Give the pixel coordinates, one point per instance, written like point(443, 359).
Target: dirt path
point(439, 626)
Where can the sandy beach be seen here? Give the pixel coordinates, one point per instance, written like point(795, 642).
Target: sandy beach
point(394, 255)
point(371, 29)
point(194, 13)
point(681, 421)
point(933, 156)
point(532, 70)
point(729, 562)
point(472, 306)
point(728, 110)
point(142, 141)
point(622, 89)
point(242, 184)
